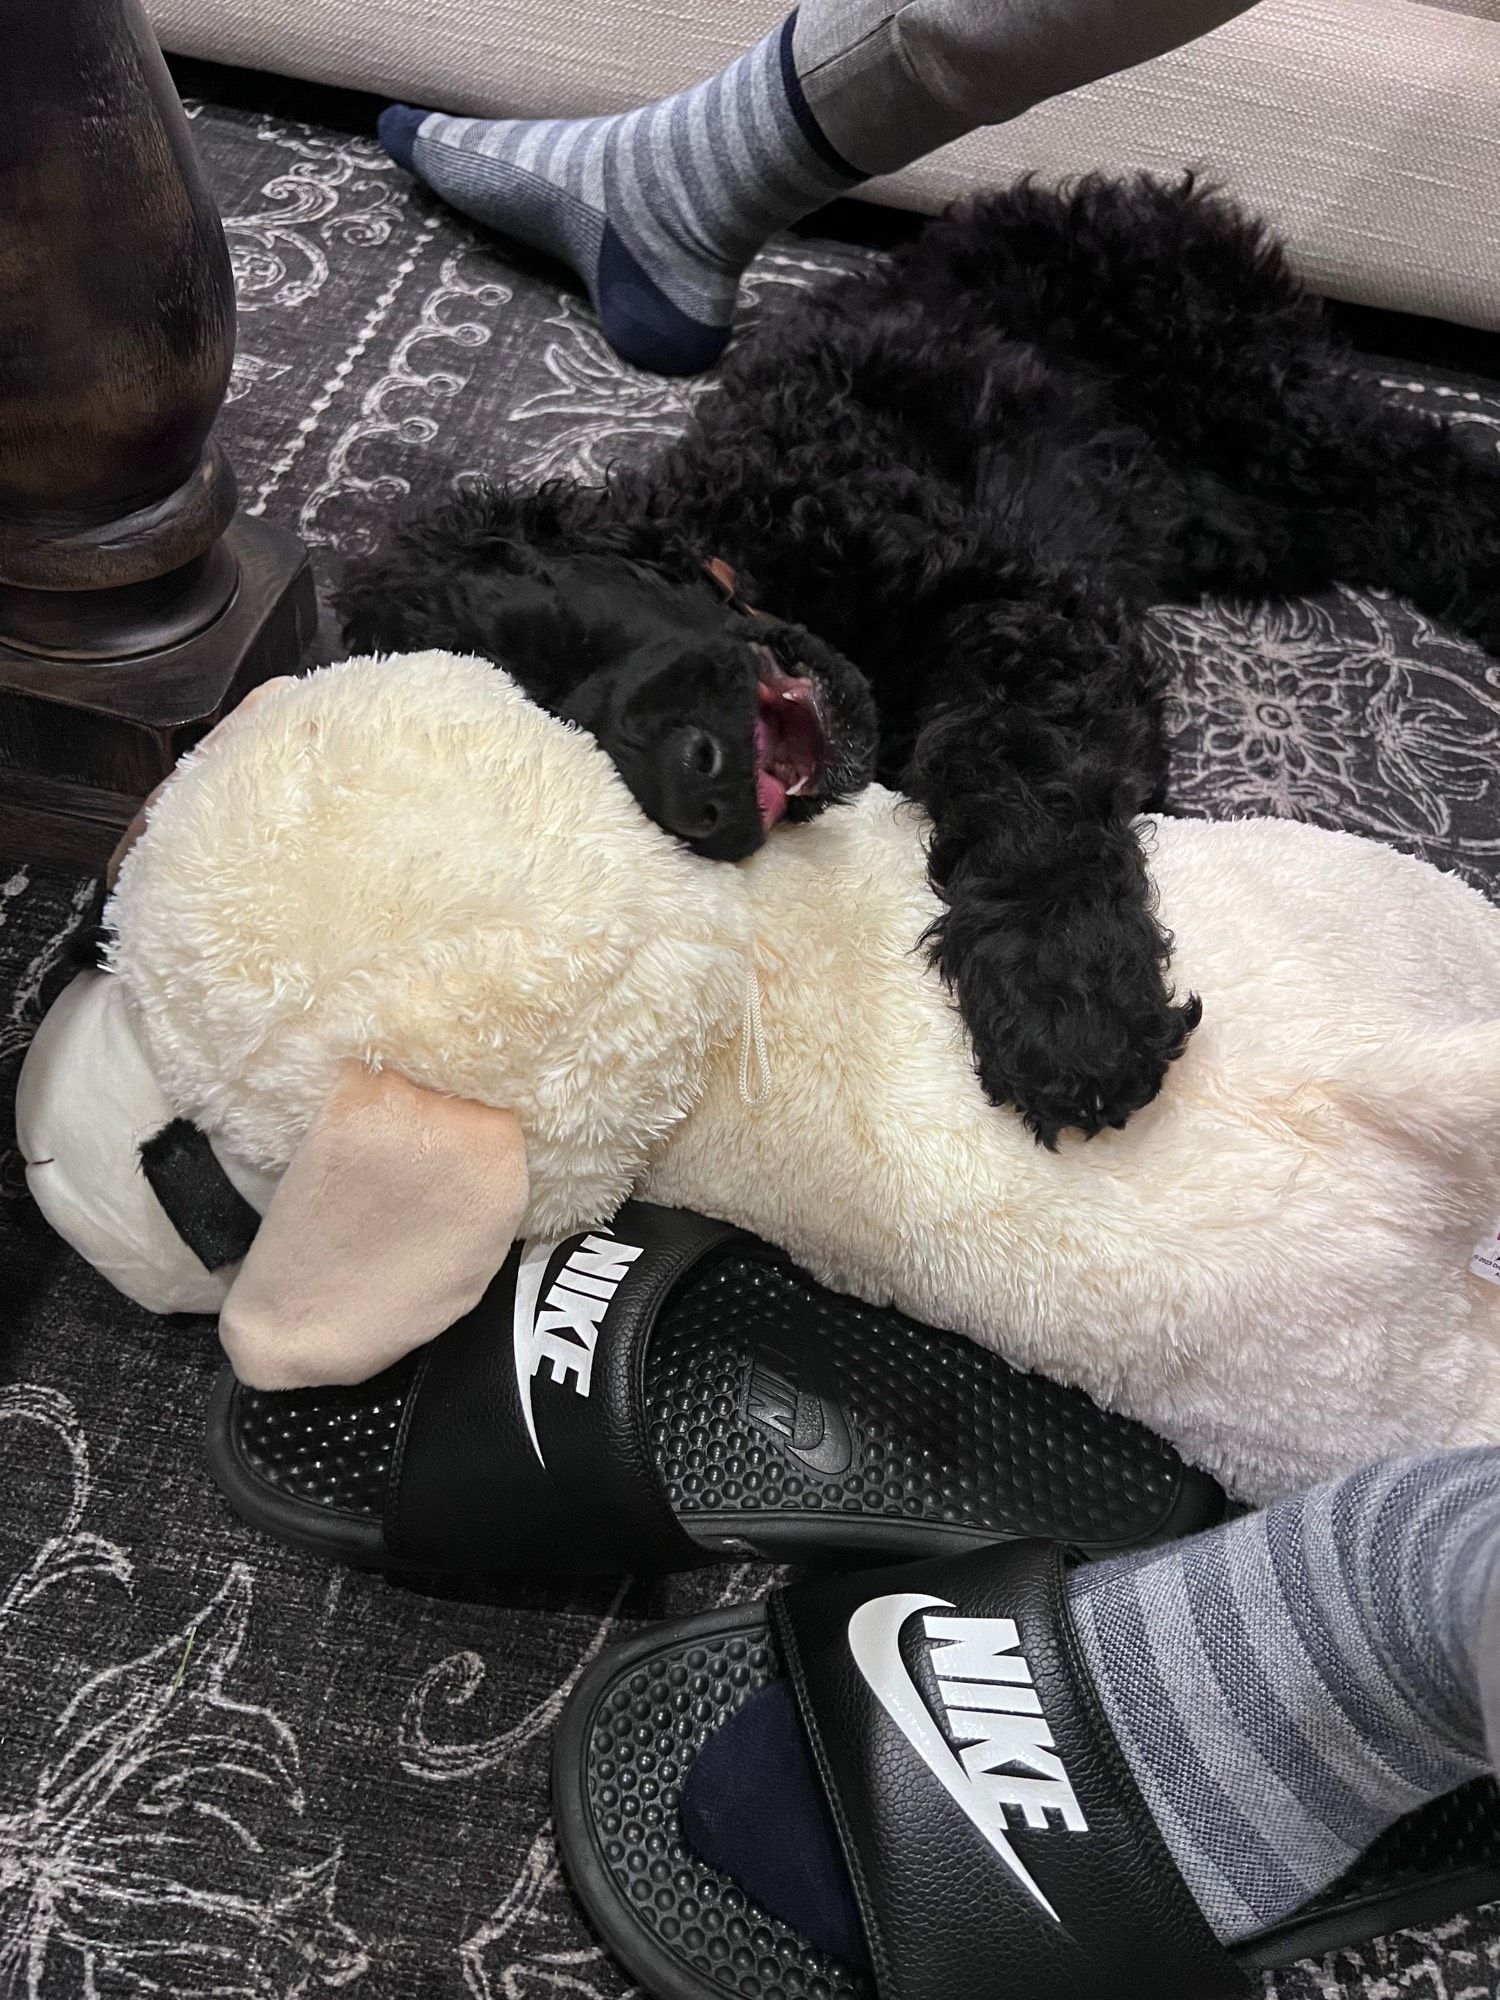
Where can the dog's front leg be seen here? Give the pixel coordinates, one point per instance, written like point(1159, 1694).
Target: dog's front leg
point(1049, 936)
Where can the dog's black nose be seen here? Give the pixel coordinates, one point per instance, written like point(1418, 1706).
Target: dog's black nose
point(692, 790)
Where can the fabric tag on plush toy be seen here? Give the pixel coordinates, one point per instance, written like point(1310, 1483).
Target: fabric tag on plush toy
point(1485, 1263)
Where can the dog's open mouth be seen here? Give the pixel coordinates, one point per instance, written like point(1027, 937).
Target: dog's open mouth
point(791, 742)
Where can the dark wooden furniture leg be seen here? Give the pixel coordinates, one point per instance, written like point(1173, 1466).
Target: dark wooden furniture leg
point(136, 606)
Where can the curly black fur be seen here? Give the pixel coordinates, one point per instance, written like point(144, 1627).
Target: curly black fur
point(971, 472)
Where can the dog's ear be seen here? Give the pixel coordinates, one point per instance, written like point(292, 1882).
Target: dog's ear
point(443, 573)
point(396, 1211)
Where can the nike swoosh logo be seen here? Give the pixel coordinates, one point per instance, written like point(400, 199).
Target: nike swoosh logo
point(875, 1642)
point(784, 1406)
point(561, 1332)
point(534, 1261)
point(833, 1451)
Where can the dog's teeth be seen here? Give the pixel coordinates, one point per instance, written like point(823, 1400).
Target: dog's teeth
point(796, 791)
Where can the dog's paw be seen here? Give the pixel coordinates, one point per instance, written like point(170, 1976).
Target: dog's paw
point(1097, 1089)
point(1079, 1056)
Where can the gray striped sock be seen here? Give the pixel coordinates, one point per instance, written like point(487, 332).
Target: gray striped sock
point(659, 210)
point(1286, 1686)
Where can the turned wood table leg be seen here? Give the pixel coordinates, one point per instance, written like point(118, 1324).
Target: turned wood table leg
point(135, 604)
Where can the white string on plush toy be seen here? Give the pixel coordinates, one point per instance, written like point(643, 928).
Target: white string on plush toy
point(753, 1045)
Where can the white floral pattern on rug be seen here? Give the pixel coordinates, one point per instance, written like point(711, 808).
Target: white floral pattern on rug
point(530, 1946)
point(427, 1752)
point(597, 411)
point(142, 1860)
point(1352, 711)
point(404, 404)
point(336, 191)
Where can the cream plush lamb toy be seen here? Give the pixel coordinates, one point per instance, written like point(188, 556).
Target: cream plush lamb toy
point(408, 953)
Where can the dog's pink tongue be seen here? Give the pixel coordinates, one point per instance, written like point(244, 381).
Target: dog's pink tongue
point(770, 796)
point(770, 793)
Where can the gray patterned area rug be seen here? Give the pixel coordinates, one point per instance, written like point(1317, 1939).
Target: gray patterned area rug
point(227, 1769)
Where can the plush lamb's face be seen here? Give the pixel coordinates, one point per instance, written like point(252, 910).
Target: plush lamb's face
point(405, 862)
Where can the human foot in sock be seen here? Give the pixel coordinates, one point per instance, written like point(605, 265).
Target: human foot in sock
point(1283, 1687)
point(659, 210)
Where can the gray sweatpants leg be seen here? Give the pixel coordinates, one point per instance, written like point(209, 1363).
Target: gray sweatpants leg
point(889, 80)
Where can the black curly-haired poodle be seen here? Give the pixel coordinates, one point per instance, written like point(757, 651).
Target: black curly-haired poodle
point(969, 472)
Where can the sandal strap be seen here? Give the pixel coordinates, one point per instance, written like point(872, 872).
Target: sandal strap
point(525, 1442)
point(995, 1837)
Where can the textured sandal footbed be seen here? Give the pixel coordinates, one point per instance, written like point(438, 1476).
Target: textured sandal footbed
point(641, 1713)
point(919, 1441)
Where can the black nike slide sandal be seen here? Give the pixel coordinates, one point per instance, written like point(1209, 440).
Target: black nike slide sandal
point(670, 1392)
point(994, 1836)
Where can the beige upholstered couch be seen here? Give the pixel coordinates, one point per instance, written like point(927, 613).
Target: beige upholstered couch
point(1369, 130)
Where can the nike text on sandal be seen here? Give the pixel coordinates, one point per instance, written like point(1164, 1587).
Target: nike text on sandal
point(996, 1842)
point(669, 1391)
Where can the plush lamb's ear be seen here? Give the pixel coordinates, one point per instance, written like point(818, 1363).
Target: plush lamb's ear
point(395, 1213)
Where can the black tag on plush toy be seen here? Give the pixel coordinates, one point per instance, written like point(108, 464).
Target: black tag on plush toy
point(201, 1202)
